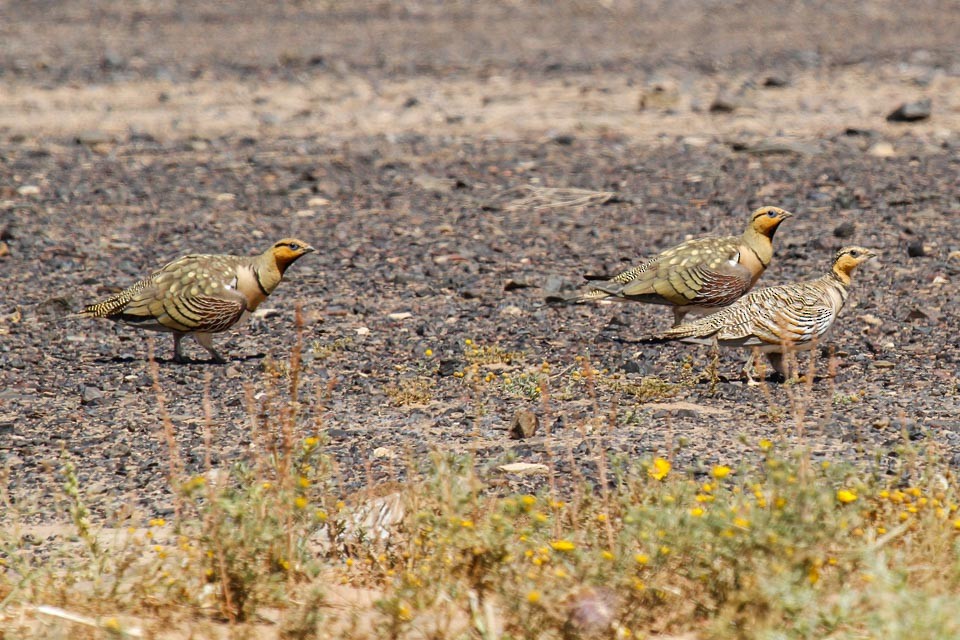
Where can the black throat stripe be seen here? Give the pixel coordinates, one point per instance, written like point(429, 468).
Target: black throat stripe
point(765, 264)
point(256, 275)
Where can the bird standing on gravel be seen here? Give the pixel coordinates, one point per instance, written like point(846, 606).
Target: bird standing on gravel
point(699, 275)
point(200, 295)
point(775, 320)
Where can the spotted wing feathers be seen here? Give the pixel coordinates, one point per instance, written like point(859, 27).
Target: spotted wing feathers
point(704, 271)
point(195, 293)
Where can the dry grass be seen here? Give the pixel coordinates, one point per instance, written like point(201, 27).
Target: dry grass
point(538, 198)
point(270, 546)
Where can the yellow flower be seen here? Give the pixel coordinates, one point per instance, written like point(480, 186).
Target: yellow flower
point(606, 555)
point(742, 523)
point(112, 625)
point(303, 481)
point(659, 469)
point(721, 471)
point(766, 445)
point(696, 512)
point(533, 597)
point(846, 496)
point(321, 515)
point(428, 353)
point(641, 558)
point(157, 522)
point(956, 525)
point(601, 517)
point(563, 545)
point(468, 342)
point(311, 442)
point(466, 524)
point(300, 502)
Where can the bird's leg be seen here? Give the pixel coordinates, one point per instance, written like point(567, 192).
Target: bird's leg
point(206, 341)
point(748, 370)
point(776, 361)
point(714, 365)
point(178, 347)
point(679, 313)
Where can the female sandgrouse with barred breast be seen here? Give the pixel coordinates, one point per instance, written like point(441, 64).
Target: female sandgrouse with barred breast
point(776, 320)
point(699, 275)
point(199, 295)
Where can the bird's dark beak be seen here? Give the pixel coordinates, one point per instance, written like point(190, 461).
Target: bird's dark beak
point(308, 249)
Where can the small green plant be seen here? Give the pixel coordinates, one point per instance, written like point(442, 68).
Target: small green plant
point(322, 350)
point(411, 391)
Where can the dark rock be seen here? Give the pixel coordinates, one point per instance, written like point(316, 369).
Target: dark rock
point(554, 284)
point(632, 366)
point(564, 139)
point(912, 111)
point(724, 103)
point(448, 367)
point(90, 395)
point(916, 249)
point(845, 230)
point(776, 80)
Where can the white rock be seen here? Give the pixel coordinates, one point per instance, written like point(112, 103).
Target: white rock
point(882, 150)
point(524, 468)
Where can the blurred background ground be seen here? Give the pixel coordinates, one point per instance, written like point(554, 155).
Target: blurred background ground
point(416, 145)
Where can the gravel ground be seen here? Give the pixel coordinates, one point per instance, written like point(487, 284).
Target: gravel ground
point(445, 229)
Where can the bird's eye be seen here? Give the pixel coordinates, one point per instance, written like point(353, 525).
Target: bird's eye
point(854, 254)
point(772, 213)
point(294, 246)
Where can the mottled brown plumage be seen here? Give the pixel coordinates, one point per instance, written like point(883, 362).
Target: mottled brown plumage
point(775, 320)
point(200, 295)
point(698, 275)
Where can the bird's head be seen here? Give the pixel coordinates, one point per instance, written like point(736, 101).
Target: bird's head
point(765, 220)
point(285, 252)
point(848, 258)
